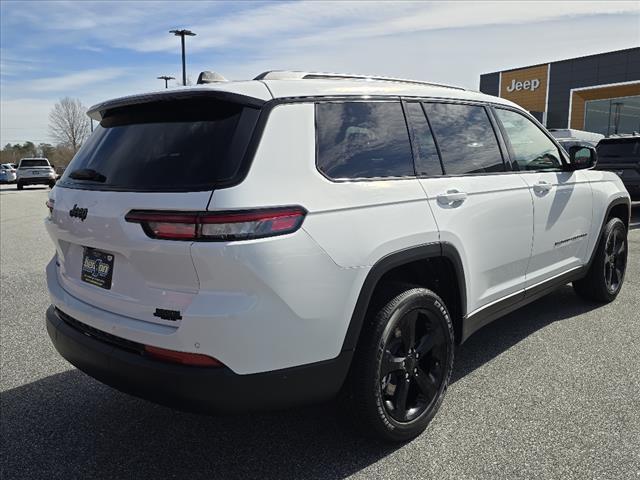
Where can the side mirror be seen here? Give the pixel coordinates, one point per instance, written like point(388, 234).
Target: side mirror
point(582, 157)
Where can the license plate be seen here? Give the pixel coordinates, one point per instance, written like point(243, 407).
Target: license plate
point(97, 267)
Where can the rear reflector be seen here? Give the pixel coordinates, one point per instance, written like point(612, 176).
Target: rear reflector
point(218, 226)
point(183, 358)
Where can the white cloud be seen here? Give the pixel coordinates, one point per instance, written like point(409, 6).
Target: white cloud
point(65, 83)
point(24, 119)
point(258, 26)
point(319, 23)
point(129, 44)
point(11, 65)
point(455, 15)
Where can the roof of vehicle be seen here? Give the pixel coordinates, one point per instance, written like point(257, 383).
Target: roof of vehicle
point(34, 158)
point(290, 84)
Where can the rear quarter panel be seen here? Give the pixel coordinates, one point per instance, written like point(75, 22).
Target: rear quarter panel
point(356, 222)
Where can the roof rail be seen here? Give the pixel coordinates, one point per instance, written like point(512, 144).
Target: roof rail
point(295, 75)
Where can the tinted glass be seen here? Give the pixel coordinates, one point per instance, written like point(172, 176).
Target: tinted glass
point(465, 137)
point(34, 162)
point(613, 115)
point(619, 151)
point(532, 149)
point(363, 140)
point(425, 152)
point(180, 145)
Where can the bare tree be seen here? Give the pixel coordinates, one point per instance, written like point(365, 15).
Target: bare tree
point(69, 123)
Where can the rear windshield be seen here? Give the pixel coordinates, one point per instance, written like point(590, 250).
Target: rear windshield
point(193, 144)
point(627, 150)
point(33, 162)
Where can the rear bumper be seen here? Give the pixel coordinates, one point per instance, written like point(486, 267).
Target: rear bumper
point(36, 180)
point(192, 388)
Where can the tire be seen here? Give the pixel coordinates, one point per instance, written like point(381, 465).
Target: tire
point(398, 379)
point(52, 184)
point(19, 186)
point(606, 274)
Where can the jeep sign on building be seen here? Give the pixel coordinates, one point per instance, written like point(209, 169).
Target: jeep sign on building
point(598, 93)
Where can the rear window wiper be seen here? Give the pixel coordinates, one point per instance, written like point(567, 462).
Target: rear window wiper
point(88, 174)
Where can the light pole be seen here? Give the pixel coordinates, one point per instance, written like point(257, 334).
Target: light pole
point(166, 79)
point(182, 33)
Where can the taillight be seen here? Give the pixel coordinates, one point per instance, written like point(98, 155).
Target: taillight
point(183, 358)
point(218, 226)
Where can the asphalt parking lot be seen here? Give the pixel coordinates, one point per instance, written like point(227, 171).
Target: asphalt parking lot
point(551, 391)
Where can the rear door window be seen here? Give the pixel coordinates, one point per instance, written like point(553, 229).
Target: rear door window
point(465, 137)
point(362, 140)
point(192, 144)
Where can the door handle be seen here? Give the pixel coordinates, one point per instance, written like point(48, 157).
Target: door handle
point(451, 197)
point(542, 187)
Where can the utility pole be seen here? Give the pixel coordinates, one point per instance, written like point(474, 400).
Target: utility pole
point(182, 33)
point(166, 79)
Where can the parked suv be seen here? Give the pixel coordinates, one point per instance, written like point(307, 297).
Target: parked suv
point(249, 245)
point(35, 171)
point(7, 173)
point(621, 154)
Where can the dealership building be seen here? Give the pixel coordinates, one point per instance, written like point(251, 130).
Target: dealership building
point(598, 93)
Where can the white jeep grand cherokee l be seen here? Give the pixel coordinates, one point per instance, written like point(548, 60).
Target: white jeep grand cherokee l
point(248, 245)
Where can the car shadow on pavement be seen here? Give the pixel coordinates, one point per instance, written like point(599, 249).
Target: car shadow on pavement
point(69, 426)
point(502, 334)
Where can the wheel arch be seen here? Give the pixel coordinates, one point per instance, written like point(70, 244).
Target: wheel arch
point(394, 266)
point(619, 207)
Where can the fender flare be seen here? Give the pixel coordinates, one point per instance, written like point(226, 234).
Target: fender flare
point(391, 261)
point(614, 203)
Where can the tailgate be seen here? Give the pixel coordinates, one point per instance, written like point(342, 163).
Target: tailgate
point(159, 154)
point(145, 274)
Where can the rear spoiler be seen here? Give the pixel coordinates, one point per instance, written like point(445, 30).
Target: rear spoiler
point(97, 112)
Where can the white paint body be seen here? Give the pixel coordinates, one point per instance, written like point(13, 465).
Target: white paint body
point(284, 301)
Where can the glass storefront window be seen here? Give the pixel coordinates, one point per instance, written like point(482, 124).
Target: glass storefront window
point(613, 115)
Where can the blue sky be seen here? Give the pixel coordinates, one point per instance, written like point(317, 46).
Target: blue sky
point(99, 50)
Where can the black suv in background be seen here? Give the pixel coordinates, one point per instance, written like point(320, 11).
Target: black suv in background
point(622, 156)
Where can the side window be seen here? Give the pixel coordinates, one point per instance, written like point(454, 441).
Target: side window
point(466, 138)
point(362, 140)
point(532, 149)
point(426, 154)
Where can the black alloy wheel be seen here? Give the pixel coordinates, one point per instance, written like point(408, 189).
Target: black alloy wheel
point(412, 366)
point(605, 276)
point(402, 364)
point(615, 260)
